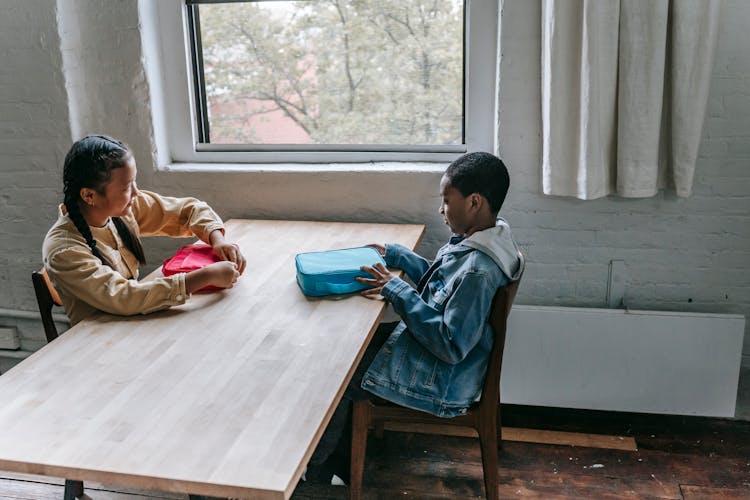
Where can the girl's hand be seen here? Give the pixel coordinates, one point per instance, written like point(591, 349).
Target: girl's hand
point(221, 274)
point(377, 246)
point(231, 252)
point(381, 276)
point(227, 251)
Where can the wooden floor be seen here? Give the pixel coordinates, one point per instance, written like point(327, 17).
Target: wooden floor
point(676, 457)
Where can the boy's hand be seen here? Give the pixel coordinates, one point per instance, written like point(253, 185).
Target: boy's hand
point(381, 276)
point(377, 246)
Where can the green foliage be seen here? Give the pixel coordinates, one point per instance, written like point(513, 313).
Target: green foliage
point(345, 71)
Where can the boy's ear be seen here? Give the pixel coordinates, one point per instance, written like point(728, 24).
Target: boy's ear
point(475, 200)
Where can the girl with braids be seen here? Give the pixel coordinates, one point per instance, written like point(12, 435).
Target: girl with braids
point(93, 251)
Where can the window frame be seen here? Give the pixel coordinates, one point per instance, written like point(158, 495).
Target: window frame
point(180, 124)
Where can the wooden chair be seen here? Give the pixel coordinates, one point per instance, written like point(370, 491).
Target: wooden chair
point(483, 416)
point(46, 297)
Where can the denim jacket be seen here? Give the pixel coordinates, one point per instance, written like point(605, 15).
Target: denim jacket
point(436, 358)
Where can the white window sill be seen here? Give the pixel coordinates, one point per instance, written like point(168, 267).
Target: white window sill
point(369, 167)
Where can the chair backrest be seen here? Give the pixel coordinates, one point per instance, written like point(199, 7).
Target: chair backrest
point(501, 305)
point(46, 297)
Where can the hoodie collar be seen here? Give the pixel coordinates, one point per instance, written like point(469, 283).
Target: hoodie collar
point(497, 243)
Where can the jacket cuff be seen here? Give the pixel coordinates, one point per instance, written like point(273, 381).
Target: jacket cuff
point(179, 289)
point(393, 288)
point(391, 254)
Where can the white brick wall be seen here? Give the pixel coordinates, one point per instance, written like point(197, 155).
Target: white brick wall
point(679, 254)
point(34, 136)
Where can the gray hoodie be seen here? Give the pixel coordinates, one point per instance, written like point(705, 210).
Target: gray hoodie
point(498, 243)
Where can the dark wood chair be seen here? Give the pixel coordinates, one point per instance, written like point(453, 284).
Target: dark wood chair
point(483, 416)
point(46, 298)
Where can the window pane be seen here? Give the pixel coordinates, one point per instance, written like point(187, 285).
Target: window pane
point(334, 72)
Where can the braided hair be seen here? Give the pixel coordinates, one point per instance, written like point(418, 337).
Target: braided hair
point(89, 164)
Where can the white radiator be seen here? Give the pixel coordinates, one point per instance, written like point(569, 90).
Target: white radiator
point(610, 359)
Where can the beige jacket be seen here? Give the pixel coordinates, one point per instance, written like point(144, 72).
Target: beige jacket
point(85, 285)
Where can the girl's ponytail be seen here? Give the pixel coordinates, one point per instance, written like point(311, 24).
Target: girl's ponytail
point(129, 238)
point(74, 212)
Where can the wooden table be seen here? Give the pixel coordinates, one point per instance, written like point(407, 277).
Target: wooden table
point(226, 395)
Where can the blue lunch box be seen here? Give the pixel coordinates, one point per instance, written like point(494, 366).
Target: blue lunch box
point(333, 271)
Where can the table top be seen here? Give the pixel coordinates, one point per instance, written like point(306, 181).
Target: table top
point(226, 395)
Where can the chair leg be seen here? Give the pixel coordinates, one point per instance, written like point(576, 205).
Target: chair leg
point(73, 489)
point(360, 423)
point(488, 440)
point(499, 431)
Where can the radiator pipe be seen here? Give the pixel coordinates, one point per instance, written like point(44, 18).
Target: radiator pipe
point(19, 314)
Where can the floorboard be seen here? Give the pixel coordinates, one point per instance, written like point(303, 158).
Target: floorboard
point(709, 493)
point(686, 458)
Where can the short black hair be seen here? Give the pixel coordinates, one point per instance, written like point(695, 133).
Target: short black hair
point(481, 173)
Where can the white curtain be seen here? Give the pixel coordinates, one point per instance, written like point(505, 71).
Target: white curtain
point(624, 91)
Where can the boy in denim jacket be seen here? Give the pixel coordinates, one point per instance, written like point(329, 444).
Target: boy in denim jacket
point(436, 357)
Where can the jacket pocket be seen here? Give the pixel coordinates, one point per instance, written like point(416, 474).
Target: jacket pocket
point(433, 375)
point(439, 293)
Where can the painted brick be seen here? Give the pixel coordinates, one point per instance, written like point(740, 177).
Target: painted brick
point(712, 147)
point(673, 248)
point(739, 103)
point(740, 149)
point(34, 129)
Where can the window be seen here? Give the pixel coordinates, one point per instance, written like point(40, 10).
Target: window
point(314, 81)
